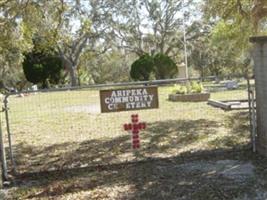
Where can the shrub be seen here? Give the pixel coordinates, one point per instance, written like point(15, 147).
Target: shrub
point(196, 87)
point(164, 66)
point(142, 68)
point(179, 89)
point(41, 68)
point(192, 87)
point(161, 65)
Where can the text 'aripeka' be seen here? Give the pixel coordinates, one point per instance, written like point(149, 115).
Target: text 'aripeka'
point(129, 99)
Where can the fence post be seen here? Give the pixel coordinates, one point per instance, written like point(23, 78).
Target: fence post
point(249, 106)
point(254, 123)
point(3, 153)
point(8, 132)
point(259, 54)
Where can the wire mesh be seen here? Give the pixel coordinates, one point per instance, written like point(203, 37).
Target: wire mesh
point(56, 130)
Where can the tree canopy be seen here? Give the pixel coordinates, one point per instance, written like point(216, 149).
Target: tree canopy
point(94, 38)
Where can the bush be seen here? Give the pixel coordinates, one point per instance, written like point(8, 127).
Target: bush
point(179, 89)
point(192, 87)
point(41, 68)
point(161, 65)
point(196, 87)
point(164, 66)
point(142, 68)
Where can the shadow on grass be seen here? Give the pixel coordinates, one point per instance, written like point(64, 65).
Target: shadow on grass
point(238, 124)
point(165, 138)
point(159, 178)
point(151, 173)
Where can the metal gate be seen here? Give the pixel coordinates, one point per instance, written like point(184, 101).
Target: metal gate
point(63, 128)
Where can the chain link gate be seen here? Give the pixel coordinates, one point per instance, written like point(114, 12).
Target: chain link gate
point(63, 128)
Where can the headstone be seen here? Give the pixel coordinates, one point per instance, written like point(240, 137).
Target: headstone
point(35, 88)
point(231, 85)
point(13, 89)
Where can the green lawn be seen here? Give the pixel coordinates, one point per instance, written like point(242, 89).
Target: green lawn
point(65, 130)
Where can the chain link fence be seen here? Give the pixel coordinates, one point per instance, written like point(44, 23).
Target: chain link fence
point(64, 128)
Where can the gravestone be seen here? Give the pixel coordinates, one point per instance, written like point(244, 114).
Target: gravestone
point(231, 85)
point(34, 88)
point(260, 70)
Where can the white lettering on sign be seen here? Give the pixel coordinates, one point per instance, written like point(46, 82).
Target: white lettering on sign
point(133, 98)
point(129, 99)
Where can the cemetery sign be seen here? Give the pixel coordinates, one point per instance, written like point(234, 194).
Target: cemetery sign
point(129, 99)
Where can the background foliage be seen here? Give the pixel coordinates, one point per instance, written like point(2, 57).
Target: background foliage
point(98, 40)
point(42, 69)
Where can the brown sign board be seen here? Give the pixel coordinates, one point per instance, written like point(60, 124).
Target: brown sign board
point(129, 99)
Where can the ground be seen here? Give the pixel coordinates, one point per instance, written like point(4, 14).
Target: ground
point(204, 176)
point(65, 149)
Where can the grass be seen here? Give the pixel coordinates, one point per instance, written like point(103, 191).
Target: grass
point(66, 149)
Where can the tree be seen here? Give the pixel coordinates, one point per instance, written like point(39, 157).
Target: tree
point(164, 66)
point(90, 33)
point(149, 25)
point(113, 66)
point(20, 21)
point(142, 68)
point(253, 12)
point(70, 26)
point(215, 54)
point(235, 21)
point(41, 68)
point(12, 43)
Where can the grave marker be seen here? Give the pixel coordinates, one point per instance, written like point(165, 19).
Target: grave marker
point(135, 127)
point(230, 85)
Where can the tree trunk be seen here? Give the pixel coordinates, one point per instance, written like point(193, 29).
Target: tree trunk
point(44, 86)
point(72, 70)
point(202, 73)
point(73, 76)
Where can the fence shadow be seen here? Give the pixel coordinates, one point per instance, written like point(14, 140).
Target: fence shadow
point(159, 178)
point(151, 173)
point(161, 139)
point(238, 125)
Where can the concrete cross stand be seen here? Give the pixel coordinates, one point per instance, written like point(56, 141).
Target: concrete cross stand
point(135, 127)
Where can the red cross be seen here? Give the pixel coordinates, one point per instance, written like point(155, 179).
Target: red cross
point(135, 127)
